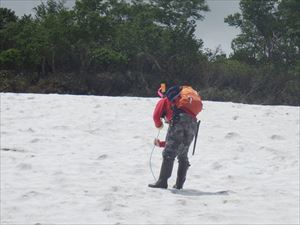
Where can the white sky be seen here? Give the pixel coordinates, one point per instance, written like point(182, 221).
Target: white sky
point(213, 31)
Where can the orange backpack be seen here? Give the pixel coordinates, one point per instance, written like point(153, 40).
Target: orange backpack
point(189, 100)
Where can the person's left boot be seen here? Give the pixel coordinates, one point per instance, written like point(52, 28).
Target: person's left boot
point(181, 173)
point(165, 174)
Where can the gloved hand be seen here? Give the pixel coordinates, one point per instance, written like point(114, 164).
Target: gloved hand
point(157, 142)
point(161, 127)
point(166, 120)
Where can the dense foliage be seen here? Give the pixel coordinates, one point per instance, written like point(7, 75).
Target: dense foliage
point(118, 47)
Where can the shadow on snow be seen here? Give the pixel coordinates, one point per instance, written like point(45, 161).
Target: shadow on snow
point(193, 192)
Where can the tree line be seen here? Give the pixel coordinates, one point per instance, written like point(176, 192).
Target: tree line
point(117, 47)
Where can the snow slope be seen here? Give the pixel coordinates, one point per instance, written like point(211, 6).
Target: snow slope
point(85, 160)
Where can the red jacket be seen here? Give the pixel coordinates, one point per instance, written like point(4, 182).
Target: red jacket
point(162, 110)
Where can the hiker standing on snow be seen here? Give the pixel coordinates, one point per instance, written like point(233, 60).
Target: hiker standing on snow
point(179, 107)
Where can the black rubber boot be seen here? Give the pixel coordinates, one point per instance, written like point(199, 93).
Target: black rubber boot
point(181, 173)
point(165, 174)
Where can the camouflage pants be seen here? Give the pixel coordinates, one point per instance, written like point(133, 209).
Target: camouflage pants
point(180, 136)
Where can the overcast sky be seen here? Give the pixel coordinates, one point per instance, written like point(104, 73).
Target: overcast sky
point(212, 30)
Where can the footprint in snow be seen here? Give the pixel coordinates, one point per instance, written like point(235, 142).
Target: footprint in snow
point(115, 188)
point(32, 194)
point(101, 157)
point(235, 117)
point(231, 135)
point(268, 113)
point(277, 137)
point(24, 166)
point(30, 130)
point(58, 172)
point(140, 171)
point(35, 140)
point(181, 202)
point(107, 203)
point(12, 150)
point(216, 166)
point(240, 149)
point(62, 127)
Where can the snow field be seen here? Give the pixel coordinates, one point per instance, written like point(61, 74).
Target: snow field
point(85, 160)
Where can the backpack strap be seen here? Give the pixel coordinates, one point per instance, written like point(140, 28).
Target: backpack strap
point(173, 92)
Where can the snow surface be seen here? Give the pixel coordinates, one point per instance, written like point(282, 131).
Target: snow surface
point(85, 160)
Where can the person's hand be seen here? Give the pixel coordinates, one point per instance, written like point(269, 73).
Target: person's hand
point(166, 120)
point(156, 142)
point(161, 126)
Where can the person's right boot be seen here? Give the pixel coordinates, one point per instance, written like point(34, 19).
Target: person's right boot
point(181, 173)
point(165, 174)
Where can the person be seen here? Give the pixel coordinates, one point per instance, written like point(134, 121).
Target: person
point(181, 131)
point(162, 111)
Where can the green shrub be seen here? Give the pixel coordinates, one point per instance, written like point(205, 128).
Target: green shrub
point(216, 94)
point(10, 59)
point(103, 58)
point(231, 74)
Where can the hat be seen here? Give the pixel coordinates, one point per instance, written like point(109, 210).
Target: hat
point(173, 92)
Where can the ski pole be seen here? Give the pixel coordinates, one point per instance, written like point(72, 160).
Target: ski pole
point(196, 136)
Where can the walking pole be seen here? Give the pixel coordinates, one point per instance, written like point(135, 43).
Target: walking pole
point(196, 136)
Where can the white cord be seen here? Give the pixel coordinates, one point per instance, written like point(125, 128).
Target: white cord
point(150, 164)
